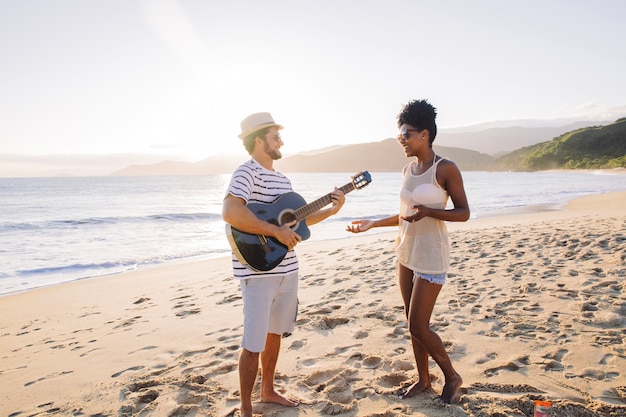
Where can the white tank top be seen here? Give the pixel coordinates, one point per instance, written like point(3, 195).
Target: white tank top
point(422, 246)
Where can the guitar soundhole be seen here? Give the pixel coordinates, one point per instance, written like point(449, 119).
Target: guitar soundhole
point(287, 217)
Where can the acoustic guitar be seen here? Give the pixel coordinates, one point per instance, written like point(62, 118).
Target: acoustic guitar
point(264, 253)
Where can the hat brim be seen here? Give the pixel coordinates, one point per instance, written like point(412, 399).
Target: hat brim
point(257, 128)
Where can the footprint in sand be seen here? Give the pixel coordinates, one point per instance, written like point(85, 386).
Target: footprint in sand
point(402, 365)
point(51, 376)
point(361, 334)
point(125, 322)
point(511, 366)
point(343, 349)
point(187, 307)
point(618, 393)
point(141, 303)
point(190, 353)
point(224, 368)
point(363, 392)
point(508, 389)
point(229, 299)
point(590, 306)
point(372, 362)
point(134, 368)
point(317, 311)
point(612, 285)
point(297, 344)
point(557, 356)
point(140, 398)
point(227, 352)
point(553, 366)
point(355, 359)
point(329, 323)
point(224, 330)
point(334, 386)
point(190, 312)
point(487, 358)
point(228, 337)
point(381, 315)
point(142, 349)
point(390, 383)
point(398, 332)
point(42, 406)
point(606, 359)
point(308, 362)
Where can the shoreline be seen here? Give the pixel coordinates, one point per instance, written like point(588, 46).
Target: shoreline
point(534, 308)
point(507, 213)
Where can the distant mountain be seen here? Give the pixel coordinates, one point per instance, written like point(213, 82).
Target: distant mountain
point(562, 122)
point(382, 156)
point(471, 151)
point(219, 164)
point(499, 140)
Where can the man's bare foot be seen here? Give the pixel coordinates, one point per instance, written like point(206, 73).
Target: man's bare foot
point(244, 411)
point(276, 398)
point(415, 389)
point(242, 414)
point(451, 389)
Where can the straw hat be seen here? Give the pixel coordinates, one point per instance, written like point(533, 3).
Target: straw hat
point(256, 121)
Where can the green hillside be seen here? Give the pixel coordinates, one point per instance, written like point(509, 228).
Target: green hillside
point(589, 148)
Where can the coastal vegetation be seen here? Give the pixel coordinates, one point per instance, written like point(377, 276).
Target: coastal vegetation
point(595, 147)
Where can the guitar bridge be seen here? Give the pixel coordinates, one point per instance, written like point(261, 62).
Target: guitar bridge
point(264, 244)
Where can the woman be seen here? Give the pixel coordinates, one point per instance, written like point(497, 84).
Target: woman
point(422, 247)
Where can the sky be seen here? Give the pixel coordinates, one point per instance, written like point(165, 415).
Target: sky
point(132, 80)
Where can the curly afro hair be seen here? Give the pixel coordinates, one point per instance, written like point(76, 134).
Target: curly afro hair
point(421, 115)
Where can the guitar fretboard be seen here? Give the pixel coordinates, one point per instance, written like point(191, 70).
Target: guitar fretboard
point(305, 211)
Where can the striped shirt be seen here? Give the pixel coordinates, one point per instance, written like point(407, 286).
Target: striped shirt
point(255, 184)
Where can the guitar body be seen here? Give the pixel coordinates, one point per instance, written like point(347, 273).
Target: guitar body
point(264, 253)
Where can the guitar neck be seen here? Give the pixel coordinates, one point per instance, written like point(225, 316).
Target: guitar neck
point(305, 211)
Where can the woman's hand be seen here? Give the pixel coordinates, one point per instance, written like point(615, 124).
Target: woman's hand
point(421, 212)
point(359, 226)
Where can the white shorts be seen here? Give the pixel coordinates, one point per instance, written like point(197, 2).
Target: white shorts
point(270, 305)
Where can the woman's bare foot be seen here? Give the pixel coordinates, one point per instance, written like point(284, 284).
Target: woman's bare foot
point(415, 389)
point(276, 398)
point(451, 389)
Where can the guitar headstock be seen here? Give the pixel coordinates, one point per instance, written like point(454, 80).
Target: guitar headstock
point(361, 179)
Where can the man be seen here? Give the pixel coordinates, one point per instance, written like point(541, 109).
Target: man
point(270, 298)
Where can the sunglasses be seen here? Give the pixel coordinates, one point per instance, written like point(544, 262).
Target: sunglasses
point(276, 135)
point(405, 134)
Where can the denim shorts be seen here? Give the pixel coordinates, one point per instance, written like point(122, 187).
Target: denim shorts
point(432, 278)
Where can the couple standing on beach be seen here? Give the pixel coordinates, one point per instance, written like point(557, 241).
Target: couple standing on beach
point(270, 298)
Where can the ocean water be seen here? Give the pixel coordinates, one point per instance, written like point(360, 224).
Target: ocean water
point(54, 230)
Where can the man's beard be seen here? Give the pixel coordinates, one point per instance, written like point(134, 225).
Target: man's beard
point(274, 154)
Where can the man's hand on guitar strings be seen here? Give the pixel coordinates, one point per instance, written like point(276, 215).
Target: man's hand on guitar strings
point(287, 236)
point(338, 199)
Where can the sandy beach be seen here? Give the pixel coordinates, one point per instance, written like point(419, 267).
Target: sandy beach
point(534, 309)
